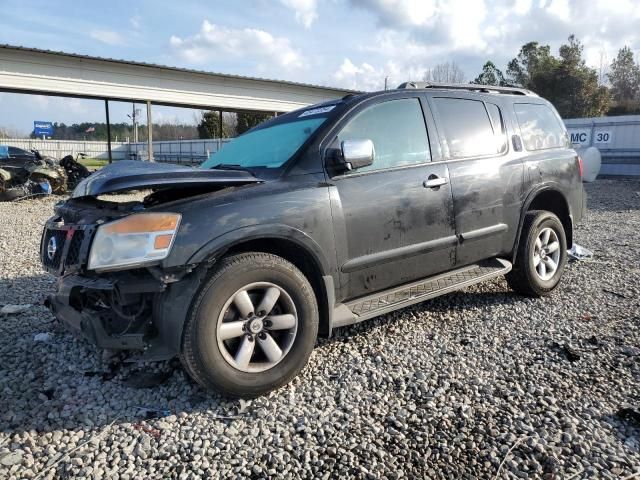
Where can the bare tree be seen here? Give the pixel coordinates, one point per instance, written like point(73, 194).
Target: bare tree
point(447, 72)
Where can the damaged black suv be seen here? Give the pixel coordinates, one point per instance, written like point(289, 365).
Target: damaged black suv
point(316, 219)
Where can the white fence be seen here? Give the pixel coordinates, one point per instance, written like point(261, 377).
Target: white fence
point(174, 151)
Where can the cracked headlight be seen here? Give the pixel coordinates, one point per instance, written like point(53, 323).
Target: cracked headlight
point(135, 240)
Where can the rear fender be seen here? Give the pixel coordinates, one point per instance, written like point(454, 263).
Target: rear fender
point(525, 208)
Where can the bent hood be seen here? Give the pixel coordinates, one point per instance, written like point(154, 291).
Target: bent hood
point(128, 175)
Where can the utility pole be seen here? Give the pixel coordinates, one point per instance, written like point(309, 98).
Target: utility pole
point(149, 133)
point(385, 82)
point(135, 112)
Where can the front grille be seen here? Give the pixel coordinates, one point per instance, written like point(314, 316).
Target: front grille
point(73, 254)
point(62, 247)
point(53, 242)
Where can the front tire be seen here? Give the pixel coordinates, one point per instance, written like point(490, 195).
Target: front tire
point(252, 327)
point(541, 256)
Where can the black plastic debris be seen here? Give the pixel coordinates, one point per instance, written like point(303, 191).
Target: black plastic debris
point(146, 379)
point(567, 351)
point(611, 292)
point(630, 415)
point(150, 413)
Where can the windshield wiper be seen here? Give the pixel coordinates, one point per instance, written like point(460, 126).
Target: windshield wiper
point(230, 166)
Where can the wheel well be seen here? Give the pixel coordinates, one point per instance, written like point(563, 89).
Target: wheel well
point(302, 259)
point(553, 201)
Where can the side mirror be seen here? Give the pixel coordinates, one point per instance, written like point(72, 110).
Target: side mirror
point(357, 153)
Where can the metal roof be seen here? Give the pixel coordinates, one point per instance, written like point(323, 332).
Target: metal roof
point(166, 67)
point(45, 72)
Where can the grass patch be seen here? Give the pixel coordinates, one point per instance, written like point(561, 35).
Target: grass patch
point(93, 163)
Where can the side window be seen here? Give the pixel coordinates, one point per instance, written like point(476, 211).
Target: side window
point(397, 130)
point(14, 152)
point(499, 132)
point(466, 126)
point(540, 127)
point(18, 152)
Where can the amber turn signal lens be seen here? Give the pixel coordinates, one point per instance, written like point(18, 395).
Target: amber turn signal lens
point(143, 223)
point(162, 242)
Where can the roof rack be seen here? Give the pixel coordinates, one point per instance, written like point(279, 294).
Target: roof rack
point(469, 86)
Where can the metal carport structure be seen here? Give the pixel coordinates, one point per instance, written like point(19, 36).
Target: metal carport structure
point(44, 72)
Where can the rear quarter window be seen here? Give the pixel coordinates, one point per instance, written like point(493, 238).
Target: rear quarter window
point(468, 129)
point(540, 127)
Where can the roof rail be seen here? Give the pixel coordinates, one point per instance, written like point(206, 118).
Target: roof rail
point(469, 86)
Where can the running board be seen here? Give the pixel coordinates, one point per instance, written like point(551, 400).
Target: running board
point(383, 302)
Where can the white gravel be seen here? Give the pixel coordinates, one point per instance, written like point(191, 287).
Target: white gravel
point(476, 384)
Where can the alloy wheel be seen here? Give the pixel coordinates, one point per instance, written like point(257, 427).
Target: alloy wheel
point(257, 327)
point(546, 254)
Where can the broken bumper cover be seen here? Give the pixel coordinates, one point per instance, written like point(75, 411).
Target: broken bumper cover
point(158, 333)
point(88, 323)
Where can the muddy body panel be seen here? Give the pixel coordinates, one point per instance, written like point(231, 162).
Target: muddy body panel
point(355, 233)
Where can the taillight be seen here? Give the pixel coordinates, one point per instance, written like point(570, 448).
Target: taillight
point(580, 165)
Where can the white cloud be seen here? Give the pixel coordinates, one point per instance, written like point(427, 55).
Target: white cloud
point(401, 12)
point(559, 8)
point(107, 36)
point(369, 78)
point(305, 10)
point(426, 32)
point(214, 41)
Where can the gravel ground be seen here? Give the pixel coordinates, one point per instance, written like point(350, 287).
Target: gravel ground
point(476, 384)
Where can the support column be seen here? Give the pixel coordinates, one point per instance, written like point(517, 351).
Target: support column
point(220, 126)
point(149, 132)
point(106, 111)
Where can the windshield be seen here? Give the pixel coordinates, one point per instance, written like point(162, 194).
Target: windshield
point(268, 147)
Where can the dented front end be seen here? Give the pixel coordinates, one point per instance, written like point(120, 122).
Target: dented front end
point(114, 286)
point(133, 307)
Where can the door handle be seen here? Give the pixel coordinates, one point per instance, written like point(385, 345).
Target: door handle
point(434, 181)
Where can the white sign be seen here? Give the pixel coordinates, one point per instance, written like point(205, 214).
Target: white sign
point(316, 111)
point(580, 137)
point(602, 136)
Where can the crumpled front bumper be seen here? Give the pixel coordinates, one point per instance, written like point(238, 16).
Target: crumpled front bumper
point(88, 323)
point(159, 335)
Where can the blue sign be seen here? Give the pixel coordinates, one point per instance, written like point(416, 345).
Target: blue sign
point(4, 151)
point(42, 128)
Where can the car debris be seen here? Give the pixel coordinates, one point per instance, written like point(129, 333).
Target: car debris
point(612, 292)
point(151, 413)
point(567, 351)
point(38, 175)
point(629, 415)
point(577, 252)
point(74, 169)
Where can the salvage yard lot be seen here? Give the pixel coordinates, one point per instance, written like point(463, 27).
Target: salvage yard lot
point(474, 384)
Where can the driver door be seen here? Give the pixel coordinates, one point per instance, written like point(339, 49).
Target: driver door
point(391, 226)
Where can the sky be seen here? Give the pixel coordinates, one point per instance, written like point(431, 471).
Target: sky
point(348, 43)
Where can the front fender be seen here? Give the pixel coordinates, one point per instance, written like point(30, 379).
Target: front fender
point(219, 245)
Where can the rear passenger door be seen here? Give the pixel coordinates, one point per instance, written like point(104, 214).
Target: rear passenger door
point(390, 226)
point(486, 177)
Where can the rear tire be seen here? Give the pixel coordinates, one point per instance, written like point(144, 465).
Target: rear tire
point(541, 256)
point(232, 344)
